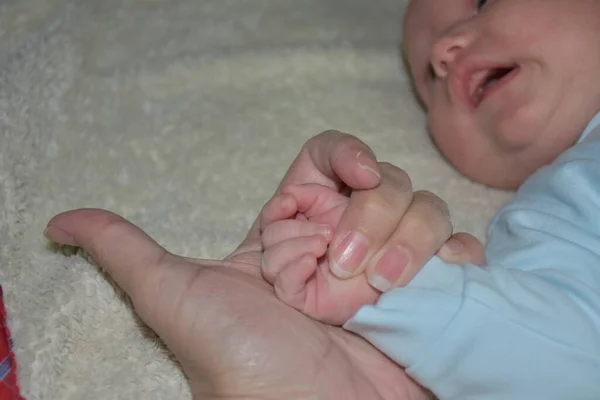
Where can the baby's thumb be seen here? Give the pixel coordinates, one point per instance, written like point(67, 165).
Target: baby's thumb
point(463, 248)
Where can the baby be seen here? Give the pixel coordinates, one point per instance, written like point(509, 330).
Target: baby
point(512, 96)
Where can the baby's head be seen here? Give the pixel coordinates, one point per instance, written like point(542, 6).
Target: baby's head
point(507, 84)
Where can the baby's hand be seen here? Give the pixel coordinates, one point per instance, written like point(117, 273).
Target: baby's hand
point(296, 228)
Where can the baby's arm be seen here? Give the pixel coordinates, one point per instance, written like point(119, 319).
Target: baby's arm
point(527, 326)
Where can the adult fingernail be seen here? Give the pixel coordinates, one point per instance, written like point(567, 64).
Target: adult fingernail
point(367, 164)
point(59, 236)
point(349, 254)
point(389, 268)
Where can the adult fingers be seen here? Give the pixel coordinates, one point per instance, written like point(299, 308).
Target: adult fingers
point(421, 232)
point(371, 217)
point(463, 248)
point(123, 250)
point(336, 160)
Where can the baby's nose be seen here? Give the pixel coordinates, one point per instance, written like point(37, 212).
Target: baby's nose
point(446, 50)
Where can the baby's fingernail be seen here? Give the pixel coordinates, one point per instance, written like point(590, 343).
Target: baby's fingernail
point(59, 236)
point(325, 231)
point(347, 255)
point(389, 268)
point(451, 247)
point(367, 164)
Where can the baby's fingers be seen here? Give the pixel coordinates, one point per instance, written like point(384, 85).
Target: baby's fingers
point(290, 284)
point(281, 231)
point(275, 258)
point(280, 207)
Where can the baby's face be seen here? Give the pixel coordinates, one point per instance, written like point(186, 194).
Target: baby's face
point(507, 84)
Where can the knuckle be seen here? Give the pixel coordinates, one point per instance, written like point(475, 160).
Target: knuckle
point(334, 142)
point(278, 231)
point(386, 198)
point(325, 141)
point(395, 176)
point(317, 140)
point(380, 202)
point(426, 234)
point(433, 202)
point(110, 231)
point(346, 142)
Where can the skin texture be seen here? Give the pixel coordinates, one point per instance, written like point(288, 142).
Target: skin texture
point(295, 234)
point(296, 227)
point(389, 218)
point(526, 122)
point(232, 336)
point(222, 320)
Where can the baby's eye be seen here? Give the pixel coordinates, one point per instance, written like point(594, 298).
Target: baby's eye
point(481, 3)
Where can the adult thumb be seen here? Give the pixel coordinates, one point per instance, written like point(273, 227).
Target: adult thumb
point(124, 251)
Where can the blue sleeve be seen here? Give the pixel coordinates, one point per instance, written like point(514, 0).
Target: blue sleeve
point(527, 326)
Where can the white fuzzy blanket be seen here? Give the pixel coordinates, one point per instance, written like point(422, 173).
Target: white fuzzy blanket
point(182, 116)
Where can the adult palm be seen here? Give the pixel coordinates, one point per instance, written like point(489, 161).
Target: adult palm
point(222, 321)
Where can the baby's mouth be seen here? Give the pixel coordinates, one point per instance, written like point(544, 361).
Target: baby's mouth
point(485, 82)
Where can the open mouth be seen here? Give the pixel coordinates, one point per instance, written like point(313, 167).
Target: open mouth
point(485, 82)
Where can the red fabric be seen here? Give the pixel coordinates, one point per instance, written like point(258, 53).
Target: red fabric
point(9, 387)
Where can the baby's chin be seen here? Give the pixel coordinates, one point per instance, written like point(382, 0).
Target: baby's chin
point(504, 170)
point(503, 178)
point(490, 158)
point(491, 168)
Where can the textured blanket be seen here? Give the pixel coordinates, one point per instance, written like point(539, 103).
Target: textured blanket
point(181, 116)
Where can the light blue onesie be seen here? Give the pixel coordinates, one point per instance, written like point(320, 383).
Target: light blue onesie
point(527, 326)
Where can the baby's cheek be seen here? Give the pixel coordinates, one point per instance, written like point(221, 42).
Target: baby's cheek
point(461, 144)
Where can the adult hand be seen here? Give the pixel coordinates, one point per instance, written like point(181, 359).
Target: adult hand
point(388, 230)
point(232, 336)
